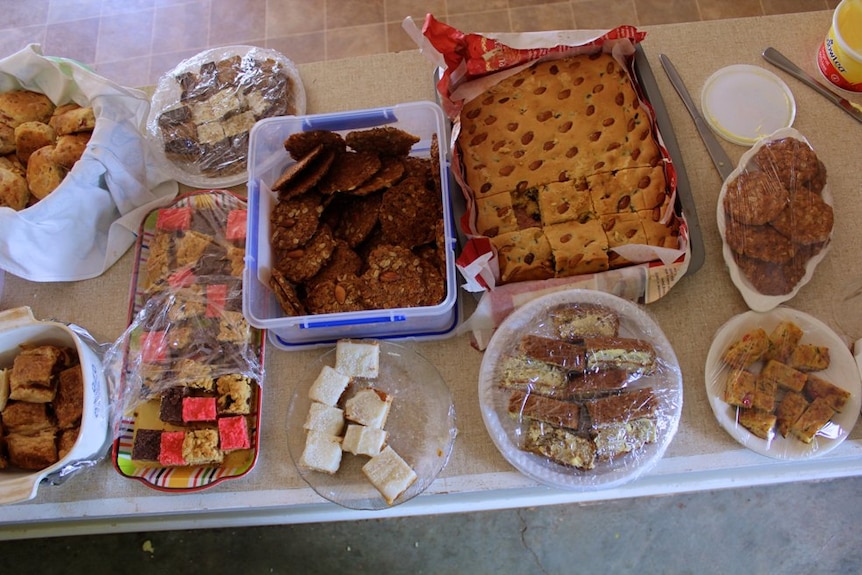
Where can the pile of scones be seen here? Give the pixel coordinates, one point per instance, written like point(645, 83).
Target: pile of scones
point(39, 144)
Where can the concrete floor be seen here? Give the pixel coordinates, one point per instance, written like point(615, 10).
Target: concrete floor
point(788, 528)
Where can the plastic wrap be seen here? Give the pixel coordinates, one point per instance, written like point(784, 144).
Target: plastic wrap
point(203, 110)
point(615, 401)
point(18, 327)
point(643, 267)
point(775, 218)
point(761, 403)
point(187, 338)
point(420, 427)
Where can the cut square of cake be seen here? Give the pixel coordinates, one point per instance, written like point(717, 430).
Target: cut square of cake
point(368, 406)
point(363, 440)
point(199, 409)
point(171, 448)
point(816, 415)
point(328, 386)
point(495, 215)
point(322, 452)
point(389, 474)
point(324, 418)
point(358, 358)
point(524, 255)
point(233, 433)
point(818, 387)
point(147, 444)
point(562, 202)
point(174, 219)
point(32, 378)
point(200, 447)
point(234, 394)
point(578, 247)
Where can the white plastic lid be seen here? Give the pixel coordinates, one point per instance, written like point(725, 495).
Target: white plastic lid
point(745, 103)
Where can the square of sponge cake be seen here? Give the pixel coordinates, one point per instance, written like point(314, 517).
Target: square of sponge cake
point(328, 386)
point(322, 452)
point(389, 474)
point(324, 418)
point(368, 406)
point(362, 440)
point(358, 358)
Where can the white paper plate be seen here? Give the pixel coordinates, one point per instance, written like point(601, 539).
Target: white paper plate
point(842, 372)
point(420, 427)
point(505, 431)
point(753, 298)
point(743, 103)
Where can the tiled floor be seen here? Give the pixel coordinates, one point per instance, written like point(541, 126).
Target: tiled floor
point(134, 41)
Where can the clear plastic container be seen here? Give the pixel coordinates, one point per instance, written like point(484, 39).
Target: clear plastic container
point(267, 160)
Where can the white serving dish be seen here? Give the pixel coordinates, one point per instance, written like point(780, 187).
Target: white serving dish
point(267, 160)
point(19, 326)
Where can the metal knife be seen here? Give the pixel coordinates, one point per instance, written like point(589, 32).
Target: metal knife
point(778, 59)
point(713, 146)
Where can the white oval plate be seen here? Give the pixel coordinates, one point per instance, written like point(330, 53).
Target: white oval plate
point(753, 298)
point(744, 103)
point(505, 430)
point(420, 428)
point(842, 372)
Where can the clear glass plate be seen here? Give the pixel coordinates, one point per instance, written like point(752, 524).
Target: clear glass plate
point(420, 428)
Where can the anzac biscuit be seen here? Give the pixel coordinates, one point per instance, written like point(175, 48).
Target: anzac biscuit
point(336, 296)
point(434, 160)
point(343, 262)
point(386, 140)
point(408, 213)
point(793, 162)
point(759, 242)
point(302, 175)
point(348, 171)
point(395, 277)
point(301, 143)
point(295, 221)
point(390, 172)
point(356, 223)
point(417, 168)
point(303, 263)
point(807, 220)
point(755, 198)
point(770, 278)
point(286, 294)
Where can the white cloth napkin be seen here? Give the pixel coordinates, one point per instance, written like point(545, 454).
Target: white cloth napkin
point(84, 226)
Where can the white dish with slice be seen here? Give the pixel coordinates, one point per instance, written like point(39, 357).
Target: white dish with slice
point(842, 372)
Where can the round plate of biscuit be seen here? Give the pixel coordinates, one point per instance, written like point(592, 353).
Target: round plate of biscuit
point(775, 219)
point(783, 384)
point(580, 390)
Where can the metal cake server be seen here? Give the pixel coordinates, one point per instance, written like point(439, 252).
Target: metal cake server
point(779, 60)
point(713, 146)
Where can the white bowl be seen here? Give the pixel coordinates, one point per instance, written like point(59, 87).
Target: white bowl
point(19, 326)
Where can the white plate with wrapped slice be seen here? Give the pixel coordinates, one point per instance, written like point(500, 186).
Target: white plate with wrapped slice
point(764, 374)
point(581, 390)
point(370, 439)
point(204, 108)
point(775, 219)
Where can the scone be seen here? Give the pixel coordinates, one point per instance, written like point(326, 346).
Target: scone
point(43, 173)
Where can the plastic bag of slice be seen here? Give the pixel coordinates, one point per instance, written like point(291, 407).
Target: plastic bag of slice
point(565, 175)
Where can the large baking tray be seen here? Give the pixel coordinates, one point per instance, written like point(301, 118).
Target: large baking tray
point(684, 199)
